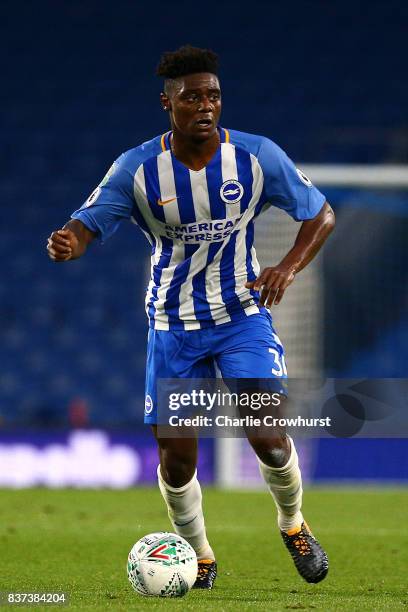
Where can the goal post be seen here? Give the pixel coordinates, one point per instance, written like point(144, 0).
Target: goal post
point(383, 176)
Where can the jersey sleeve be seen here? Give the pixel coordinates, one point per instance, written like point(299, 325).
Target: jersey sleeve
point(110, 203)
point(286, 186)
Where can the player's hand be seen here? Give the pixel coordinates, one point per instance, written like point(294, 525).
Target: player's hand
point(61, 245)
point(272, 282)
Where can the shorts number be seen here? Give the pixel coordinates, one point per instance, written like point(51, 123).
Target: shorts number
point(280, 362)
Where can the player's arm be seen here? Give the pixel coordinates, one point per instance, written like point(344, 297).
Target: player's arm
point(70, 242)
point(99, 217)
point(275, 280)
point(287, 188)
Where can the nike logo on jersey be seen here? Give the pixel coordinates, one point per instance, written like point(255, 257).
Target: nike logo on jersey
point(164, 202)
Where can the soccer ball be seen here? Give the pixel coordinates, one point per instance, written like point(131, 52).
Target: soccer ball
point(163, 565)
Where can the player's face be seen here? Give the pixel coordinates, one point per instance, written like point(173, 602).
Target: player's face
point(195, 105)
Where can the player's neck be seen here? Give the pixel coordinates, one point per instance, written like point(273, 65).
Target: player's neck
point(195, 155)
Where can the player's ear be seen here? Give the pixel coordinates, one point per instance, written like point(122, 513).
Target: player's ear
point(165, 102)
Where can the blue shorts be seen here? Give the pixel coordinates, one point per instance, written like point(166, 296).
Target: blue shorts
point(248, 348)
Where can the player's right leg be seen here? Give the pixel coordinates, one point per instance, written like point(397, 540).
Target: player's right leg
point(178, 484)
point(168, 358)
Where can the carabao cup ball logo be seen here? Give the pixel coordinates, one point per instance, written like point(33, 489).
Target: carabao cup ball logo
point(231, 192)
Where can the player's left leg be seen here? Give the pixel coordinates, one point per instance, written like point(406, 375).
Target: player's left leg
point(284, 482)
point(251, 350)
point(279, 467)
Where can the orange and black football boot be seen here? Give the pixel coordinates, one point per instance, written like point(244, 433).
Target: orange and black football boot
point(309, 557)
point(206, 575)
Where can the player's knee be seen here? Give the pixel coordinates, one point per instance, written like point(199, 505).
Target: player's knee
point(273, 451)
point(177, 466)
point(177, 474)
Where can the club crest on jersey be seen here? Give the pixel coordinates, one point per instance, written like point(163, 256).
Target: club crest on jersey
point(231, 191)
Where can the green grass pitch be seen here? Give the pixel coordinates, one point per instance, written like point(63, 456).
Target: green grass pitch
point(78, 541)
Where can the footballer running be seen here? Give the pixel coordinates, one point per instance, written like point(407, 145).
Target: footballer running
point(195, 192)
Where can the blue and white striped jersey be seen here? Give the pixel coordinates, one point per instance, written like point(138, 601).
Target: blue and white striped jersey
point(200, 224)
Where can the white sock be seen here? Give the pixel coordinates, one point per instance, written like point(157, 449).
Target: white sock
point(285, 486)
point(186, 514)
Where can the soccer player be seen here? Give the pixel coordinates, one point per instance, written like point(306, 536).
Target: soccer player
point(195, 192)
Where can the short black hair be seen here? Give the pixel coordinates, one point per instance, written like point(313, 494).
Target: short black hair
point(187, 60)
